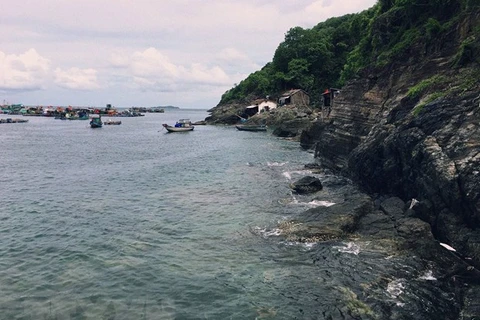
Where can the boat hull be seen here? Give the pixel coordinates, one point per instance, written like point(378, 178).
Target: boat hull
point(96, 123)
point(178, 129)
point(251, 128)
point(112, 123)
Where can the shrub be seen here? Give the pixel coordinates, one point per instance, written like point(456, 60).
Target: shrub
point(417, 90)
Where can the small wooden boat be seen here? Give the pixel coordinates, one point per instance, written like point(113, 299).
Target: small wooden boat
point(96, 122)
point(14, 120)
point(182, 125)
point(112, 122)
point(251, 127)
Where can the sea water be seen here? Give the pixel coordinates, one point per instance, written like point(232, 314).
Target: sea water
point(132, 222)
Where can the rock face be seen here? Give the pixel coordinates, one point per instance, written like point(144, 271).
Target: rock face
point(227, 114)
point(416, 152)
point(292, 128)
point(286, 121)
point(381, 229)
point(423, 146)
point(307, 184)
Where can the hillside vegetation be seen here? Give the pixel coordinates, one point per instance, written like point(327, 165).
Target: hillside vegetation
point(337, 50)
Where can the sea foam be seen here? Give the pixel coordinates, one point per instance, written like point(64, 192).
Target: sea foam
point(350, 247)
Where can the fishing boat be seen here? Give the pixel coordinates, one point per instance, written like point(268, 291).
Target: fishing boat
point(112, 122)
point(96, 122)
point(14, 120)
point(251, 127)
point(182, 125)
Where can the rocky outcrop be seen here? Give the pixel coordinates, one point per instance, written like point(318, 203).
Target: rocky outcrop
point(307, 184)
point(424, 146)
point(408, 134)
point(285, 121)
point(388, 221)
point(292, 128)
point(226, 114)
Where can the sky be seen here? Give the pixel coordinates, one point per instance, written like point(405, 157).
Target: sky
point(144, 53)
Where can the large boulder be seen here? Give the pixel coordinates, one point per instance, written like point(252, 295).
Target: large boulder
point(328, 222)
point(307, 184)
point(292, 128)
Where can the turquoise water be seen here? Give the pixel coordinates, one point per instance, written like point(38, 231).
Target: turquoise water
point(131, 222)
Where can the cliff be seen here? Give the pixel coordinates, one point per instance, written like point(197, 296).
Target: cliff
point(411, 129)
point(406, 126)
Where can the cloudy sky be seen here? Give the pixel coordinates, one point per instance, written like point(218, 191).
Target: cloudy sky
point(185, 53)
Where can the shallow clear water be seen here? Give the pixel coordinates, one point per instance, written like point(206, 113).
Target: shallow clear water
point(131, 222)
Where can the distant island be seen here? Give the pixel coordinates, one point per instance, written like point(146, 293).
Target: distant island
point(167, 107)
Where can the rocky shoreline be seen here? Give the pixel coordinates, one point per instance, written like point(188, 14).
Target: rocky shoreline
point(397, 146)
point(410, 187)
point(389, 225)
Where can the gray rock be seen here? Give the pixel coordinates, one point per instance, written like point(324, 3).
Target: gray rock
point(413, 229)
point(377, 225)
point(472, 304)
point(291, 128)
point(307, 184)
point(393, 206)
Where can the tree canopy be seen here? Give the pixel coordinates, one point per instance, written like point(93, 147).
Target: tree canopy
point(336, 50)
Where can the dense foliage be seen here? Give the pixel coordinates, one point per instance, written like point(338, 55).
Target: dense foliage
point(309, 59)
point(336, 50)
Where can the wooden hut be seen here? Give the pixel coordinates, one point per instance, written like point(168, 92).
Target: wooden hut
point(296, 97)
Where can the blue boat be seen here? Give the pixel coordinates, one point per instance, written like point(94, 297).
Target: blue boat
point(96, 122)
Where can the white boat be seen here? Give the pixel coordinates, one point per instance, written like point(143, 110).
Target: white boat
point(182, 125)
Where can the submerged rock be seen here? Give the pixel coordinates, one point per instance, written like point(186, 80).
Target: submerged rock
point(328, 223)
point(307, 184)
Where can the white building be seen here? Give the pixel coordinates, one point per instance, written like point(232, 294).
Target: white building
point(261, 105)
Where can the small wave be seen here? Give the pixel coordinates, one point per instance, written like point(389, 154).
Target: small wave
point(311, 204)
point(276, 164)
point(287, 175)
point(395, 289)
point(294, 200)
point(306, 245)
point(428, 276)
point(267, 233)
point(309, 245)
point(274, 232)
point(350, 247)
point(320, 203)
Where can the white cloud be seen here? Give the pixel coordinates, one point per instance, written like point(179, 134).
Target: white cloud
point(152, 70)
point(119, 60)
point(26, 71)
point(197, 47)
point(233, 55)
point(77, 79)
point(321, 10)
point(153, 63)
point(203, 75)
